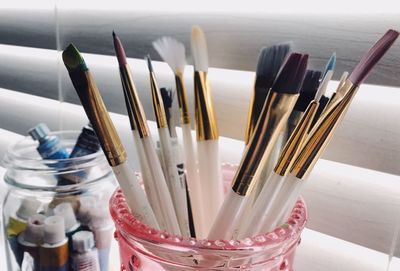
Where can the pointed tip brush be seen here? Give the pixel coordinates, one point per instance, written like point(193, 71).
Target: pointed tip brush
point(155, 183)
point(277, 108)
point(111, 144)
point(330, 66)
point(269, 63)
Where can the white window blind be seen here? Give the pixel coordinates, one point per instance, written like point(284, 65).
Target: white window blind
point(354, 193)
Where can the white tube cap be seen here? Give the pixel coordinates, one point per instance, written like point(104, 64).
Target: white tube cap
point(54, 230)
point(83, 241)
point(35, 228)
point(100, 216)
point(65, 210)
point(29, 206)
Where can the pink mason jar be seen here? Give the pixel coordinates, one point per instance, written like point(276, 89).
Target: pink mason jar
point(144, 248)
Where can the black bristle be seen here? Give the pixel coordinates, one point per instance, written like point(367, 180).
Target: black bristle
point(271, 59)
point(308, 89)
point(291, 76)
point(167, 96)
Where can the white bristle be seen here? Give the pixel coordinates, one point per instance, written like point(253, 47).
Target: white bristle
point(199, 49)
point(172, 52)
point(323, 86)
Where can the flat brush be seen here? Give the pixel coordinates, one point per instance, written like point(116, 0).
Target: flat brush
point(261, 211)
point(156, 186)
point(177, 187)
point(276, 111)
point(173, 52)
point(269, 63)
point(110, 142)
point(324, 99)
point(207, 133)
point(323, 131)
point(307, 93)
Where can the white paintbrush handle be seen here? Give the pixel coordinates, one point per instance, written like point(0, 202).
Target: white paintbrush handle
point(193, 181)
point(157, 184)
point(176, 186)
point(210, 178)
point(146, 177)
point(227, 219)
point(288, 193)
point(262, 207)
point(134, 195)
point(287, 199)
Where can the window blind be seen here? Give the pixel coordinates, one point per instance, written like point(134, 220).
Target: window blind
point(352, 195)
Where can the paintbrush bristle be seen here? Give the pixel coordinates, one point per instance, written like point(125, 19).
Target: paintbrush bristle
point(324, 85)
point(199, 49)
point(330, 66)
point(271, 59)
point(149, 65)
point(172, 52)
point(119, 50)
point(369, 60)
point(291, 76)
point(73, 59)
point(308, 89)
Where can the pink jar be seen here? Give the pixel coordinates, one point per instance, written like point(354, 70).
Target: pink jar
point(143, 248)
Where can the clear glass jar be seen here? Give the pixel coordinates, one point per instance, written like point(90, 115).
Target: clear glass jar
point(77, 189)
point(143, 248)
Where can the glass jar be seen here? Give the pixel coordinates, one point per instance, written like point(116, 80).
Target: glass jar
point(143, 248)
point(45, 195)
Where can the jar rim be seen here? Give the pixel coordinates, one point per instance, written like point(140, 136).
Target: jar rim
point(128, 225)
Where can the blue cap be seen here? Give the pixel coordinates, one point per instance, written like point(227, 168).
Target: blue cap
point(39, 132)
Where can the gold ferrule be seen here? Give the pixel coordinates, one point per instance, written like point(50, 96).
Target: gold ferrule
point(322, 133)
point(182, 98)
point(338, 94)
point(296, 139)
point(206, 123)
point(102, 124)
point(158, 104)
point(135, 105)
point(272, 120)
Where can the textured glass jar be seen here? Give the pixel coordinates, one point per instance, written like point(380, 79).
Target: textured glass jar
point(37, 186)
point(143, 248)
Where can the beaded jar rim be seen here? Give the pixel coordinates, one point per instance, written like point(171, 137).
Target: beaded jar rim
point(127, 224)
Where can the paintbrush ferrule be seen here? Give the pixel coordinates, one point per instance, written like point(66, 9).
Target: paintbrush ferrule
point(98, 116)
point(322, 133)
point(206, 123)
point(293, 145)
point(182, 98)
point(134, 102)
point(276, 111)
point(158, 103)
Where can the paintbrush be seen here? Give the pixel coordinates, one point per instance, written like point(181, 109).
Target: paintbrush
point(276, 111)
point(307, 93)
point(330, 65)
point(156, 186)
point(207, 133)
point(322, 133)
point(253, 224)
point(324, 99)
point(269, 63)
point(177, 188)
point(168, 99)
point(110, 142)
point(173, 53)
